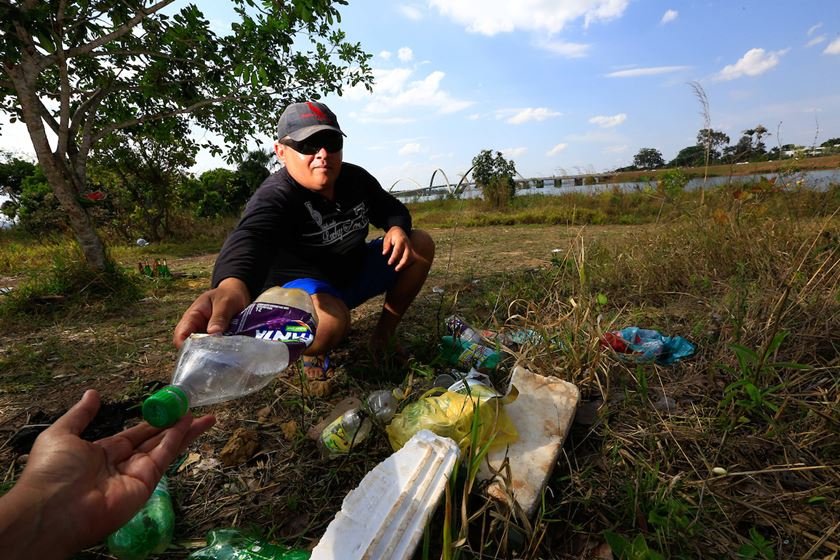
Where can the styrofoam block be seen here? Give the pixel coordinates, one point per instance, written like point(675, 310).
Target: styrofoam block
point(542, 413)
point(385, 515)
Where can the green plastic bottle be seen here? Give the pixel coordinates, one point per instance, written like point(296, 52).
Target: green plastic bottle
point(149, 531)
point(232, 544)
point(467, 354)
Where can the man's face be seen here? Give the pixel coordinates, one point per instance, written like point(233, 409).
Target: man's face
point(314, 162)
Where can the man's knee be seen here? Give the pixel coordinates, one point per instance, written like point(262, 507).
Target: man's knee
point(423, 244)
point(333, 314)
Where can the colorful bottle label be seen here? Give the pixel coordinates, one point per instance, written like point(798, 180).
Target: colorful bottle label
point(272, 321)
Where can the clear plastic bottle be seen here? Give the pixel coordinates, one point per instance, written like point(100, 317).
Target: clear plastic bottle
point(149, 531)
point(353, 427)
point(261, 342)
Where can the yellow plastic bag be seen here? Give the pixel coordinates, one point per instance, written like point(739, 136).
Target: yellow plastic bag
point(450, 414)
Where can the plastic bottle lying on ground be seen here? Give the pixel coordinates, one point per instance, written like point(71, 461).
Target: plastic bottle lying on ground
point(353, 427)
point(468, 354)
point(149, 531)
point(232, 544)
point(262, 341)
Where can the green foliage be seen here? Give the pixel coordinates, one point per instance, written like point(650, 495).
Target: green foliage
point(494, 176)
point(38, 211)
point(672, 182)
point(757, 547)
point(13, 172)
point(140, 170)
point(648, 158)
point(625, 549)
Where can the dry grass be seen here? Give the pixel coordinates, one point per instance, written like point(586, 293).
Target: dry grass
point(686, 461)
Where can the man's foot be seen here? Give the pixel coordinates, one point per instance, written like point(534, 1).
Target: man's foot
point(318, 368)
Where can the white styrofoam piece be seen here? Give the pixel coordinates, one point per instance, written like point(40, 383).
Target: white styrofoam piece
point(542, 413)
point(385, 515)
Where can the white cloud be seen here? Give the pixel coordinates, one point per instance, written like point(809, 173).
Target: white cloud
point(833, 47)
point(816, 40)
point(410, 148)
point(556, 149)
point(669, 16)
point(385, 55)
point(521, 116)
point(563, 48)
point(619, 149)
point(474, 117)
point(754, 63)
point(605, 121)
point(649, 71)
point(513, 152)
point(813, 28)
point(393, 92)
point(490, 17)
point(411, 12)
point(405, 54)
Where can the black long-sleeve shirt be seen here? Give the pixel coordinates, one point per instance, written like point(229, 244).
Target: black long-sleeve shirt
point(288, 232)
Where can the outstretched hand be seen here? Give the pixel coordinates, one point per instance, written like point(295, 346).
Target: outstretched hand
point(213, 310)
point(397, 242)
point(73, 493)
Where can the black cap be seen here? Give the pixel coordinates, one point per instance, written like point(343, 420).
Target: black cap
point(301, 120)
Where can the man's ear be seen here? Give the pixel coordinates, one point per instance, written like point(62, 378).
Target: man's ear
point(280, 150)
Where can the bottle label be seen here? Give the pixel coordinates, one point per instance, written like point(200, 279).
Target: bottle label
point(474, 354)
point(335, 438)
point(273, 321)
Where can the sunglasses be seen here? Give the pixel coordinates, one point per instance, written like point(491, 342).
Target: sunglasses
point(310, 146)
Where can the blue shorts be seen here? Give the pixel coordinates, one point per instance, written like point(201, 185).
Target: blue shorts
point(375, 278)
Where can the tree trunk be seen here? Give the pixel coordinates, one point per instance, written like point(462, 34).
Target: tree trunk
point(60, 175)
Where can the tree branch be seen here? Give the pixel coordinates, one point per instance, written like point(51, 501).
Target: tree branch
point(142, 14)
point(146, 118)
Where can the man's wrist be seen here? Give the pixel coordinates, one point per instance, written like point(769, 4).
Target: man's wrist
point(27, 529)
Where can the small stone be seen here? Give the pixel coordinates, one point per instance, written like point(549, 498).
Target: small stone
point(719, 471)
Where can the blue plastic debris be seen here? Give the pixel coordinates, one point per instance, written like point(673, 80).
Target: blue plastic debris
point(647, 345)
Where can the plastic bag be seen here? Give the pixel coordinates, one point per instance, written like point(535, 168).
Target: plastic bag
point(450, 414)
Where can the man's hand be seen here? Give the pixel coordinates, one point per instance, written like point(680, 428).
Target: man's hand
point(73, 493)
point(397, 242)
point(213, 310)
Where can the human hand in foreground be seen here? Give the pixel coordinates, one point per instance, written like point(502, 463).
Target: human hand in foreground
point(213, 310)
point(397, 242)
point(73, 493)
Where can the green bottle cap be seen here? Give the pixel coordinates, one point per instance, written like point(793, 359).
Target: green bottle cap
point(165, 407)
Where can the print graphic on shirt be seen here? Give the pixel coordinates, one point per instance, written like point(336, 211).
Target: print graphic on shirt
point(314, 213)
point(333, 231)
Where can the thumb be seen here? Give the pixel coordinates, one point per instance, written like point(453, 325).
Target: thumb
point(220, 320)
point(76, 419)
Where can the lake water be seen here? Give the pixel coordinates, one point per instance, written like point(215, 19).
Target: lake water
point(819, 180)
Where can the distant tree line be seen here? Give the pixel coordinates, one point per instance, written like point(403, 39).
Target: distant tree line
point(713, 147)
point(136, 187)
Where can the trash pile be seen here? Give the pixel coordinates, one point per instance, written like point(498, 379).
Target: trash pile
point(522, 429)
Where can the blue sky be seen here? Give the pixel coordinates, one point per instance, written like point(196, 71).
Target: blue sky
point(563, 86)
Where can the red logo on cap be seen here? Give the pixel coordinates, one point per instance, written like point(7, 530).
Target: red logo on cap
point(319, 114)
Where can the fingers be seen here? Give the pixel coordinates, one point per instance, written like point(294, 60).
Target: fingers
point(76, 419)
point(176, 439)
point(195, 319)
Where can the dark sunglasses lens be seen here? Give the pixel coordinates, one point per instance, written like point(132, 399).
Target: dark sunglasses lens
point(311, 146)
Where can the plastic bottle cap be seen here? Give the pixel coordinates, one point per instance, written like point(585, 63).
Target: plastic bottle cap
point(165, 407)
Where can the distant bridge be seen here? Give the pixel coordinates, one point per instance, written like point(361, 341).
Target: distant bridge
point(521, 183)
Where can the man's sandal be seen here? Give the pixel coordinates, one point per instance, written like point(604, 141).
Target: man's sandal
point(318, 367)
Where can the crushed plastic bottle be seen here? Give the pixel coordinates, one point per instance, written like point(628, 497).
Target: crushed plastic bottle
point(466, 354)
point(149, 531)
point(459, 328)
point(232, 544)
point(261, 342)
point(353, 427)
